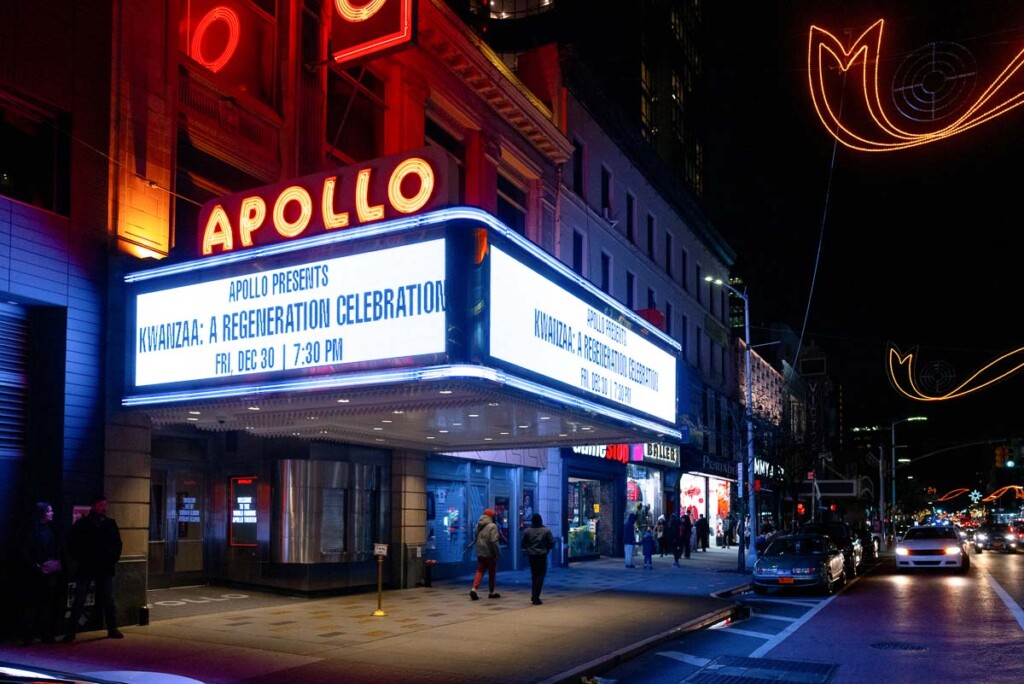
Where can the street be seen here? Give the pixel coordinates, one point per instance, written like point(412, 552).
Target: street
point(882, 627)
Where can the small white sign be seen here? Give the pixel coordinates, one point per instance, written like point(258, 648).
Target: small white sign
point(380, 549)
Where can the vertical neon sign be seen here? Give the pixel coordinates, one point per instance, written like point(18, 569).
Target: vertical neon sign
point(361, 29)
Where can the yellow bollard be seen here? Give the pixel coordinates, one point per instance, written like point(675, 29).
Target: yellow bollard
point(380, 587)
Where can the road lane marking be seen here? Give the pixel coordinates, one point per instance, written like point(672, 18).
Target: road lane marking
point(1018, 614)
point(786, 602)
point(781, 636)
point(750, 633)
point(685, 658)
point(774, 617)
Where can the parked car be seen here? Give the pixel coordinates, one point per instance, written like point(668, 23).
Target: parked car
point(869, 542)
point(842, 534)
point(995, 537)
point(932, 546)
point(800, 560)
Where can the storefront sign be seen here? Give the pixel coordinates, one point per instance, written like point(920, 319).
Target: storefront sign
point(612, 452)
point(543, 328)
point(243, 511)
point(367, 27)
point(665, 454)
point(337, 312)
point(718, 466)
point(358, 194)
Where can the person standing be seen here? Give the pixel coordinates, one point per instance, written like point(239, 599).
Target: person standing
point(674, 538)
point(95, 546)
point(703, 533)
point(659, 535)
point(629, 539)
point(487, 554)
point(40, 567)
point(686, 531)
point(537, 541)
point(730, 529)
point(647, 545)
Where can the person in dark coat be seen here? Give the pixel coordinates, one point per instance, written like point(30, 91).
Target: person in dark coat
point(95, 547)
point(673, 538)
point(730, 529)
point(40, 568)
point(703, 533)
point(629, 539)
point(685, 530)
point(537, 541)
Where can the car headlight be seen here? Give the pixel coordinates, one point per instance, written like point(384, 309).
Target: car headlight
point(900, 551)
point(982, 536)
point(953, 551)
point(1009, 537)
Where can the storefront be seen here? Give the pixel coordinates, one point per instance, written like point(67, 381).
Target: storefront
point(595, 500)
point(708, 488)
point(647, 476)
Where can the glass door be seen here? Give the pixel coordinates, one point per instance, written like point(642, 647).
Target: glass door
point(176, 526)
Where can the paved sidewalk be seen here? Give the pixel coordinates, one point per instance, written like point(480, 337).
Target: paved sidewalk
point(595, 615)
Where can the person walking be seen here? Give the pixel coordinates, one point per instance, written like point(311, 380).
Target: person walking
point(686, 532)
point(95, 547)
point(487, 554)
point(629, 539)
point(647, 545)
point(659, 535)
point(537, 541)
point(40, 569)
point(730, 529)
point(674, 538)
point(703, 533)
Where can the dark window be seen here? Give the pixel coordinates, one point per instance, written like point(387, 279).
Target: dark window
point(650, 237)
point(630, 290)
point(651, 300)
point(355, 114)
point(668, 318)
point(606, 192)
point(684, 270)
point(577, 169)
point(668, 254)
point(34, 157)
point(512, 206)
point(700, 284)
point(684, 330)
point(631, 218)
point(606, 272)
point(699, 338)
point(435, 134)
point(577, 251)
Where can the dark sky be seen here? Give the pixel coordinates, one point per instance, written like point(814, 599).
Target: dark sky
point(917, 247)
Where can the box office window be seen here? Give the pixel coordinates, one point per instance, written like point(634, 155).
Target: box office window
point(235, 41)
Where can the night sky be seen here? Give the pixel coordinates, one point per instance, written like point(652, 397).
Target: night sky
point(917, 247)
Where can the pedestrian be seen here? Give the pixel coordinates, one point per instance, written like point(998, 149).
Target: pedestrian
point(674, 541)
point(647, 545)
point(537, 541)
point(659, 535)
point(746, 532)
point(487, 554)
point(730, 529)
point(629, 539)
point(686, 532)
point(703, 533)
point(95, 547)
point(40, 569)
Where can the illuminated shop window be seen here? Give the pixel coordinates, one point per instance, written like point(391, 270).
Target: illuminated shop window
point(236, 40)
point(34, 157)
point(355, 114)
point(510, 9)
point(511, 204)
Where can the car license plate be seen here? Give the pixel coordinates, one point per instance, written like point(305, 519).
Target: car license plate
point(785, 580)
point(997, 545)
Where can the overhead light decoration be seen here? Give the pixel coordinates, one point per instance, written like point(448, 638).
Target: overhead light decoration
point(861, 60)
point(1018, 493)
point(952, 494)
point(902, 375)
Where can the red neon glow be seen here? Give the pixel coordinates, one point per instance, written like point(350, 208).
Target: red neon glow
point(355, 14)
point(902, 375)
point(373, 27)
point(1018, 493)
point(953, 493)
point(825, 52)
point(234, 27)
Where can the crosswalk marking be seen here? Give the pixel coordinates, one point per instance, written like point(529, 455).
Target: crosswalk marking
point(750, 633)
point(685, 658)
point(768, 616)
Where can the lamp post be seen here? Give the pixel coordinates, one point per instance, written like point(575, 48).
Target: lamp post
point(892, 478)
point(751, 550)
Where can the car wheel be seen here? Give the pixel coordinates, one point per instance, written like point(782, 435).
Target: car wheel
point(759, 590)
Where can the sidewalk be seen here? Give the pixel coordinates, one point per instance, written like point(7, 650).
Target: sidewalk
point(595, 614)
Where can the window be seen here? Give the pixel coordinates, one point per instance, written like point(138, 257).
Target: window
point(668, 318)
point(577, 251)
point(577, 169)
point(668, 254)
point(512, 206)
point(684, 331)
point(650, 237)
point(699, 338)
point(630, 290)
point(651, 299)
point(725, 306)
point(684, 269)
point(606, 272)
point(245, 60)
point(700, 284)
point(631, 218)
point(34, 157)
point(606, 192)
point(355, 114)
point(435, 134)
point(713, 368)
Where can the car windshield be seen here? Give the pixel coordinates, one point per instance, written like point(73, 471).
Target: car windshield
point(798, 546)
point(931, 533)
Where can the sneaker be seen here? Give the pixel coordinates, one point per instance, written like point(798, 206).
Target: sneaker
point(473, 595)
point(494, 594)
point(114, 634)
point(536, 602)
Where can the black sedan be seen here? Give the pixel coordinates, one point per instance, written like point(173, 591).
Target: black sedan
point(842, 534)
point(995, 537)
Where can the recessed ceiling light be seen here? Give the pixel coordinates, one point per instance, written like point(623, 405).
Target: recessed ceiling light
point(488, 439)
point(522, 427)
point(343, 401)
point(430, 437)
point(545, 417)
point(562, 434)
point(387, 421)
point(254, 408)
point(493, 403)
point(398, 412)
point(502, 433)
point(586, 427)
point(378, 428)
point(474, 415)
point(456, 424)
point(444, 391)
point(195, 413)
point(443, 432)
point(195, 419)
point(312, 417)
point(378, 439)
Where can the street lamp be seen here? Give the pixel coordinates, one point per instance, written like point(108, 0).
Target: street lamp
point(751, 551)
point(892, 478)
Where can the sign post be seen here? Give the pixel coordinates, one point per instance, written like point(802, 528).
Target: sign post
point(380, 551)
